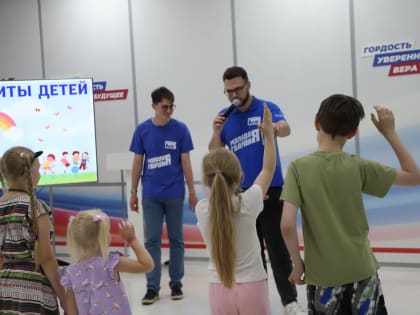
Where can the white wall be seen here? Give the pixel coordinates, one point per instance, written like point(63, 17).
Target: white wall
point(20, 52)
point(398, 23)
point(297, 53)
point(91, 39)
point(184, 45)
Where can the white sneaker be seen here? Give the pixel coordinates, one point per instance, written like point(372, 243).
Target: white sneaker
point(293, 309)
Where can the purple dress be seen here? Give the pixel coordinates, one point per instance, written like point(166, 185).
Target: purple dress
point(94, 287)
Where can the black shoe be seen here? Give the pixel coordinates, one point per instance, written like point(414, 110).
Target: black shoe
point(176, 293)
point(150, 297)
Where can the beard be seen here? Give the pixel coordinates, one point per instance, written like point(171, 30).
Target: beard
point(245, 100)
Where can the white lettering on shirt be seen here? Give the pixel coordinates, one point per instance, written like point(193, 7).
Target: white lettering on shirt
point(159, 161)
point(245, 140)
point(254, 121)
point(171, 145)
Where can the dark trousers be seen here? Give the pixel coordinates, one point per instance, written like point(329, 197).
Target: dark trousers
point(268, 230)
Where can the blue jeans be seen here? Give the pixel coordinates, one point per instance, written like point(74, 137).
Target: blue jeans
point(153, 212)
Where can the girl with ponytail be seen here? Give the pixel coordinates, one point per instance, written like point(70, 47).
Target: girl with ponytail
point(226, 219)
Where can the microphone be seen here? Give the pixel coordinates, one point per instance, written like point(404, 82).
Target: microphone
point(235, 103)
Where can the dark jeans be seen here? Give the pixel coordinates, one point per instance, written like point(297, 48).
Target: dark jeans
point(268, 230)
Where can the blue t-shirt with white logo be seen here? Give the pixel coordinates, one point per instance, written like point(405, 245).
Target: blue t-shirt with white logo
point(241, 134)
point(162, 146)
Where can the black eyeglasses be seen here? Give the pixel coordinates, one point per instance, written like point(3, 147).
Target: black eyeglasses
point(235, 90)
point(168, 107)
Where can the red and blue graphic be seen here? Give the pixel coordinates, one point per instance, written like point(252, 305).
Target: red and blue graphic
point(401, 63)
point(101, 94)
point(400, 56)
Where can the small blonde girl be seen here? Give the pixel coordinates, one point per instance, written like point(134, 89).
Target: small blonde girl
point(92, 281)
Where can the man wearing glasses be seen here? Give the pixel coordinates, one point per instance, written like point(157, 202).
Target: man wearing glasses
point(161, 147)
point(239, 131)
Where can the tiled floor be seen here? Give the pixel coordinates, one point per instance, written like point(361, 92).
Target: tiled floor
point(401, 289)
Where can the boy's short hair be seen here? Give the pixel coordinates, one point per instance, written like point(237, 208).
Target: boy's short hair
point(234, 72)
point(340, 115)
point(162, 93)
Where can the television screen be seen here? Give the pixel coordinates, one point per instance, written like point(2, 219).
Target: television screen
point(56, 117)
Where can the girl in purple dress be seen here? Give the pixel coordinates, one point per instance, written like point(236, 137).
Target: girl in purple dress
point(92, 282)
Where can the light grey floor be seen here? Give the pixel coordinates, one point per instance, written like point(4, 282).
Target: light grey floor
point(401, 289)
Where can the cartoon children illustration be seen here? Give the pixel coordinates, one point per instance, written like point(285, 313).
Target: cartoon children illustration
point(83, 163)
point(64, 160)
point(75, 160)
point(49, 164)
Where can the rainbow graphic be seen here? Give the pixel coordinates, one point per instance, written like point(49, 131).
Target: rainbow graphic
point(6, 122)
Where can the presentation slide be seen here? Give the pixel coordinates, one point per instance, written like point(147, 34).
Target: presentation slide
point(56, 117)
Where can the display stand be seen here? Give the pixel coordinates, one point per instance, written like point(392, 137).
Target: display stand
point(123, 162)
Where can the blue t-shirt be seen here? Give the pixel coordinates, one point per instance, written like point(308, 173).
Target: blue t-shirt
point(162, 146)
point(241, 134)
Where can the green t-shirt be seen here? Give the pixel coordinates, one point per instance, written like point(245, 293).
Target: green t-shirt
point(327, 186)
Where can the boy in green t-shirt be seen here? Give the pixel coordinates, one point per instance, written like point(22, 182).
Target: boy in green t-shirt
point(327, 185)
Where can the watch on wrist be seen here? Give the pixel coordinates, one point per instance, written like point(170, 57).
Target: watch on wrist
point(132, 190)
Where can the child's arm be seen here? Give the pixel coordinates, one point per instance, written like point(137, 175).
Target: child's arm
point(269, 161)
point(71, 303)
point(409, 174)
point(47, 258)
point(144, 262)
point(290, 236)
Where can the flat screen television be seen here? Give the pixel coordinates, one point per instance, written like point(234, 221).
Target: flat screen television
point(55, 116)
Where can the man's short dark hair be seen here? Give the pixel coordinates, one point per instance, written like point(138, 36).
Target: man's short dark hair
point(340, 115)
point(234, 72)
point(162, 93)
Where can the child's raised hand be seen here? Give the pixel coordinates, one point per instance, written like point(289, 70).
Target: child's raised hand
point(127, 231)
point(266, 126)
point(385, 123)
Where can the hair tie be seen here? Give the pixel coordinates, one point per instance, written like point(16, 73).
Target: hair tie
point(98, 217)
point(217, 171)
